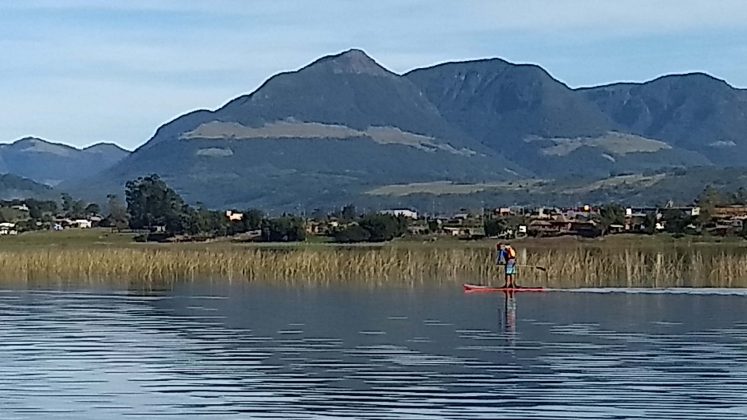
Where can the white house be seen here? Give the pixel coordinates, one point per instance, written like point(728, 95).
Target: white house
point(81, 224)
point(7, 228)
point(234, 217)
point(453, 231)
point(401, 212)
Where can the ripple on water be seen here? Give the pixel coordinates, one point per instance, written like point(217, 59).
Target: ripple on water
point(112, 355)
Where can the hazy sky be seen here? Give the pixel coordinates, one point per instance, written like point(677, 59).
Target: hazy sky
point(83, 71)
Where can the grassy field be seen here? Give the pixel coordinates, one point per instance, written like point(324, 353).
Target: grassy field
point(101, 256)
point(448, 187)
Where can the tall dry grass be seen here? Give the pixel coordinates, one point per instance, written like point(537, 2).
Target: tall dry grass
point(567, 268)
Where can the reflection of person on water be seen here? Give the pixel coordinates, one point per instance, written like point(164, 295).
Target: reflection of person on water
point(507, 258)
point(510, 313)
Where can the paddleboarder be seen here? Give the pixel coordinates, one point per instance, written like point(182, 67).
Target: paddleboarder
point(507, 258)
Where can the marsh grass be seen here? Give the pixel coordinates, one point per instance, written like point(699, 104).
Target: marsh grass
point(567, 268)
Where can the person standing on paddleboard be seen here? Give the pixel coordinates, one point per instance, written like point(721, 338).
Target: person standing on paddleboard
point(507, 258)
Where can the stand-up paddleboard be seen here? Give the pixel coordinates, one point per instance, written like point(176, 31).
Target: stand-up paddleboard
point(476, 288)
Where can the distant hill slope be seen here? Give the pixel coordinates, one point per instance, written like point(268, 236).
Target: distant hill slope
point(53, 163)
point(691, 111)
point(542, 124)
point(15, 187)
point(681, 186)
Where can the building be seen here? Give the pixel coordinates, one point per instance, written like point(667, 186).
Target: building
point(234, 217)
point(730, 212)
point(401, 213)
point(7, 228)
point(81, 224)
point(642, 211)
point(504, 212)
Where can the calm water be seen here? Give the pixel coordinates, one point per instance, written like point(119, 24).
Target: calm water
point(263, 352)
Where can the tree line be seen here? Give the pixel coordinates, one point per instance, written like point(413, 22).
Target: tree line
point(153, 206)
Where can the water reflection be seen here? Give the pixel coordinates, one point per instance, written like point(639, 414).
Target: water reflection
point(225, 351)
point(508, 317)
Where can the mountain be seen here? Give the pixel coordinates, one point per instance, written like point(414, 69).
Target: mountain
point(343, 126)
point(315, 136)
point(693, 111)
point(52, 163)
point(14, 187)
point(539, 122)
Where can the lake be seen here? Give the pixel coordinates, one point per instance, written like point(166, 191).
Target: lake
point(225, 351)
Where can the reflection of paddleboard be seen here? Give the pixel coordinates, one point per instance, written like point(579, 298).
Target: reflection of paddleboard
point(476, 288)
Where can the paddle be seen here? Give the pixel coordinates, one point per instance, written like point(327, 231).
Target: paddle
point(536, 267)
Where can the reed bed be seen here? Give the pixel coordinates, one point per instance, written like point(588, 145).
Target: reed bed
point(566, 268)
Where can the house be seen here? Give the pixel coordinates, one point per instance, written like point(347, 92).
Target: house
point(7, 228)
point(418, 230)
point(81, 224)
point(453, 231)
point(503, 211)
point(686, 211)
point(234, 217)
point(21, 207)
point(730, 212)
point(545, 213)
point(465, 232)
point(588, 229)
point(548, 227)
point(616, 228)
point(401, 213)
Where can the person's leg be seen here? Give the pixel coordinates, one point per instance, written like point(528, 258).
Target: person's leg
point(510, 273)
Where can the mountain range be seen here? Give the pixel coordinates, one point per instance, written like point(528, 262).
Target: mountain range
point(52, 163)
point(345, 128)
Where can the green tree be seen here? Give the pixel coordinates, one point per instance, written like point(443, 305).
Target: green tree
point(383, 227)
point(117, 217)
point(252, 219)
point(67, 204)
point(433, 226)
point(93, 209)
point(649, 224)
point(675, 221)
point(494, 227)
point(284, 229)
point(352, 234)
point(708, 200)
point(348, 213)
point(611, 214)
point(78, 210)
point(151, 202)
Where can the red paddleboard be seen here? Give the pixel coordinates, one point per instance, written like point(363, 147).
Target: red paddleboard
point(476, 288)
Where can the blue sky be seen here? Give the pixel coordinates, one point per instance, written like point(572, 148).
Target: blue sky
point(83, 71)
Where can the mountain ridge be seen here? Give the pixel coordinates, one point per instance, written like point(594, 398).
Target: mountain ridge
point(344, 124)
point(52, 163)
